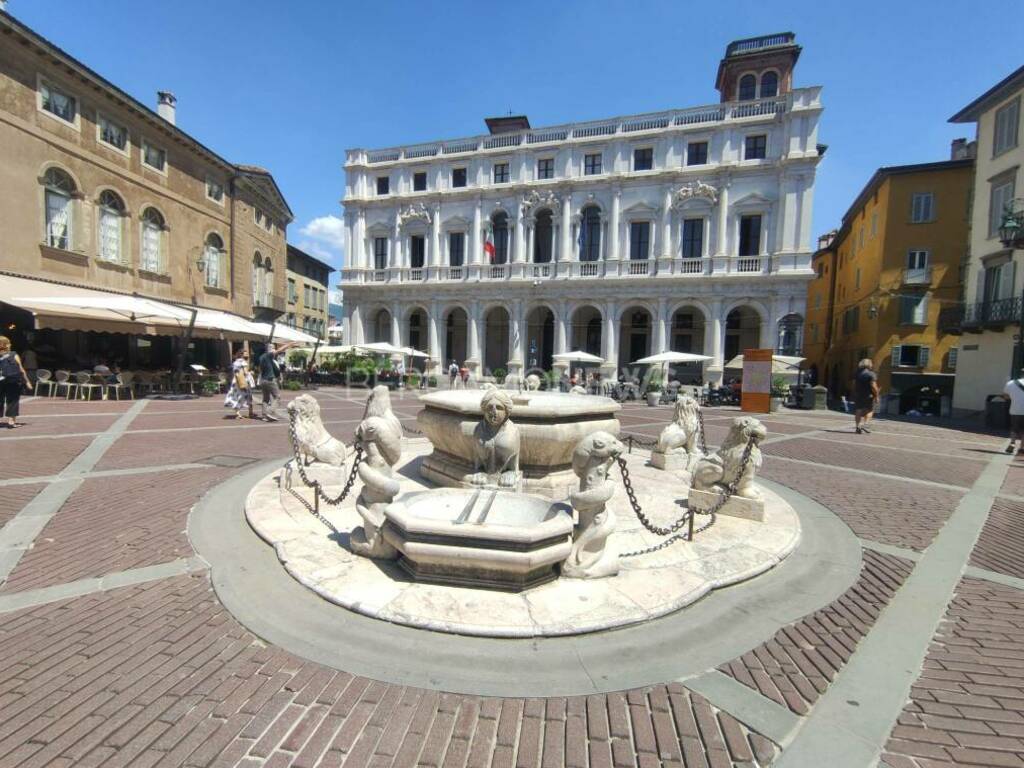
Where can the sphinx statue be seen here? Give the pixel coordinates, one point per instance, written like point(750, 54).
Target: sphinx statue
point(593, 555)
point(380, 436)
point(677, 445)
point(496, 446)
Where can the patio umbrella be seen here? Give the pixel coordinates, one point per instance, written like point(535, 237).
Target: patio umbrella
point(579, 356)
point(780, 363)
point(381, 348)
point(410, 352)
point(132, 308)
point(665, 359)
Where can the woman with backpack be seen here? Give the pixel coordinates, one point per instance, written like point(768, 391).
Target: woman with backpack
point(12, 380)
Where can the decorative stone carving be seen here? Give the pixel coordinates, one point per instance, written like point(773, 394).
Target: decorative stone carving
point(593, 554)
point(540, 199)
point(677, 445)
point(694, 189)
point(380, 435)
point(714, 472)
point(314, 442)
point(414, 212)
point(496, 443)
point(578, 390)
point(532, 383)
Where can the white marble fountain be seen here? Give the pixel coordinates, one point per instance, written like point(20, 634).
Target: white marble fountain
point(503, 526)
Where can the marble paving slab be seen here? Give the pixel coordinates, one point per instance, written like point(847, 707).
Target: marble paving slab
point(730, 551)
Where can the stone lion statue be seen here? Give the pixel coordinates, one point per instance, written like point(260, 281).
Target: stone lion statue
point(578, 390)
point(593, 555)
point(380, 436)
point(312, 439)
point(532, 383)
point(723, 467)
point(682, 434)
point(497, 444)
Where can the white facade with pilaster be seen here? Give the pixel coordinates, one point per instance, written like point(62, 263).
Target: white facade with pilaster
point(598, 253)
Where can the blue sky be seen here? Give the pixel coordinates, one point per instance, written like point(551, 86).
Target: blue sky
point(291, 85)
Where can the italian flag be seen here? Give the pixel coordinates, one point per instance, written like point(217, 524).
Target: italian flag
point(489, 245)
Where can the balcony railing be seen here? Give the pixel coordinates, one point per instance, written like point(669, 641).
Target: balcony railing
point(639, 267)
point(268, 301)
point(751, 44)
point(748, 264)
point(980, 316)
point(917, 276)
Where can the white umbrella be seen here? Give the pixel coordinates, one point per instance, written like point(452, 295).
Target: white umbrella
point(381, 348)
point(672, 358)
point(578, 356)
point(133, 308)
point(413, 352)
point(780, 363)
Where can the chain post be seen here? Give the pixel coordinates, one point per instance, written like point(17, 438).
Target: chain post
point(316, 497)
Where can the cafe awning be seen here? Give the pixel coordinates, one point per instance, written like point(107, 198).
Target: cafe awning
point(71, 308)
point(284, 333)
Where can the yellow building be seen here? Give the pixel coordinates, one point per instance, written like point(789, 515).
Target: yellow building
point(817, 332)
point(894, 263)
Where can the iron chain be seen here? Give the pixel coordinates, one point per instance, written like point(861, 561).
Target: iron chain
point(300, 465)
point(703, 441)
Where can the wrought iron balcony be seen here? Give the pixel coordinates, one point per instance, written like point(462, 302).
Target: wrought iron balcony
point(268, 301)
point(918, 276)
point(986, 315)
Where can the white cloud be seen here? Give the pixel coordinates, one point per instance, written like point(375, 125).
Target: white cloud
point(324, 238)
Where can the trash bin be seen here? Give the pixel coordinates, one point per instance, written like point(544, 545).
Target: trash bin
point(997, 412)
point(814, 398)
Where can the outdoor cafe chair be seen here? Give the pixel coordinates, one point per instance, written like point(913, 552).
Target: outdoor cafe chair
point(64, 380)
point(44, 378)
point(86, 384)
point(145, 383)
point(122, 383)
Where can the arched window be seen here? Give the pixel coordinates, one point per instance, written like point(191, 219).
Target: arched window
point(268, 281)
point(499, 231)
point(590, 234)
point(769, 85)
point(748, 88)
point(212, 251)
point(542, 238)
point(59, 190)
point(111, 217)
point(152, 236)
point(257, 277)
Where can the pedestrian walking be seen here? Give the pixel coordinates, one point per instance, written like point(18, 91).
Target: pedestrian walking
point(865, 395)
point(453, 374)
point(1014, 392)
point(239, 395)
point(13, 379)
point(270, 375)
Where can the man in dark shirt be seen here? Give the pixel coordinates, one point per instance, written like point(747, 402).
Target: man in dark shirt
point(270, 374)
point(865, 395)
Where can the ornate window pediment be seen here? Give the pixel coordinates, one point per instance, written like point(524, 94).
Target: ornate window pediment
point(413, 213)
point(456, 222)
point(753, 200)
point(537, 199)
point(640, 209)
point(694, 190)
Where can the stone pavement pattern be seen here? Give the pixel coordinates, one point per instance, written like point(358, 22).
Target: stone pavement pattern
point(152, 670)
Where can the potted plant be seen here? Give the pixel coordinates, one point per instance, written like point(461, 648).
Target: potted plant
point(653, 393)
point(780, 391)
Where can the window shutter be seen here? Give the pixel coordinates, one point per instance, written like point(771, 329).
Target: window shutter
point(979, 287)
point(1007, 279)
point(922, 356)
point(922, 311)
point(906, 309)
point(896, 350)
point(951, 358)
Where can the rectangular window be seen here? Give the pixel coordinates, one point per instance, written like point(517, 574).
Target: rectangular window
point(755, 147)
point(750, 235)
point(693, 238)
point(214, 190)
point(546, 168)
point(874, 224)
point(856, 280)
point(419, 181)
point(1002, 193)
point(113, 134)
point(639, 240)
point(1007, 120)
point(951, 358)
point(643, 159)
point(914, 309)
point(592, 164)
point(851, 320)
point(417, 251)
point(697, 153)
point(909, 356)
point(293, 295)
point(58, 220)
point(58, 103)
point(383, 185)
point(380, 253)
point(922, 207)
point(917, 259)
point(306, 294)
point(456, 249)
point(154, 157)
point(501, 173)
point(458, 177)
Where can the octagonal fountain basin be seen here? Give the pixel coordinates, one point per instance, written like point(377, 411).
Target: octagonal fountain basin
point(550, 425)
point(479, 537)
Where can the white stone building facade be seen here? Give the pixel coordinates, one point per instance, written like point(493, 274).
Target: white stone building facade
point(687, 230)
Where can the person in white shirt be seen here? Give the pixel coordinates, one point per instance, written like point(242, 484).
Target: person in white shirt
point(1014, 392)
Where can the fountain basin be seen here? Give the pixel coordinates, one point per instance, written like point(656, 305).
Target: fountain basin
point(520, 545)
point(550, 425)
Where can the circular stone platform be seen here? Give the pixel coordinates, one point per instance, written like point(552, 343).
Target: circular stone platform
point(648, 586)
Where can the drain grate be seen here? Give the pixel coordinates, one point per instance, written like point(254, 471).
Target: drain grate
point(227, 461)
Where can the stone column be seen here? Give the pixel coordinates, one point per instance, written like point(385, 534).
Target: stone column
point(610, 342)
point(475, 244)
point(357, 325)
point(473, 332)
point(713, 369)
point(561, 336)
point(722, 246)
point(565, 250)
point(396, 248)
point(515, 338)
point(347, 337)
point(360, 246)
point(434, 365)
point(665, 249)
point(396, 324)
point(519, 255)
point(613, 227)
point(435, 237)
point(660, 331)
